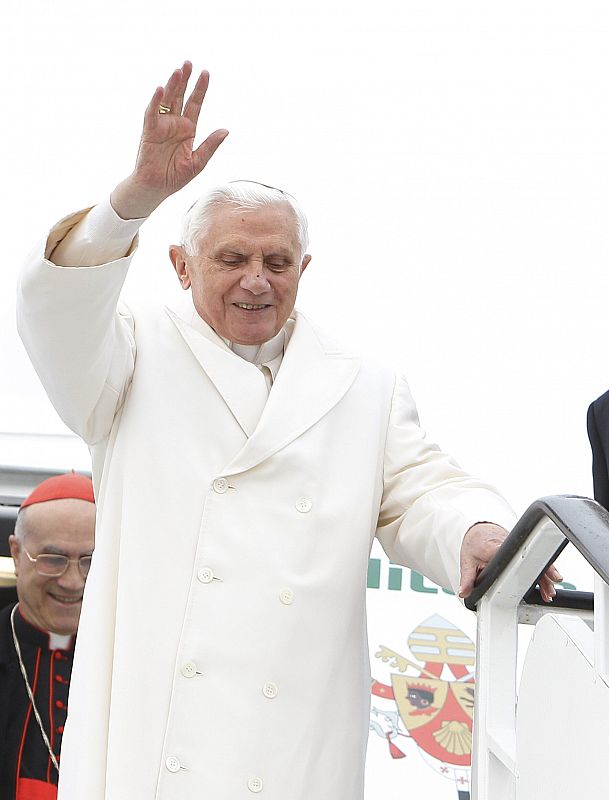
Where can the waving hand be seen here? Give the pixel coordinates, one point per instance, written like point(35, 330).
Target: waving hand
point(166, 160)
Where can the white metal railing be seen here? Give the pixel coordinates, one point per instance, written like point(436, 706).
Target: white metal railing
point(506, 596)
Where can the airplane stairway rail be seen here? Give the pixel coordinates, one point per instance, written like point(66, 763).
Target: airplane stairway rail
point(545, 737)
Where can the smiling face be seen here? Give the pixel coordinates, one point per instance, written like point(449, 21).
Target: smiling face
point(244, 275)
point(65, 527)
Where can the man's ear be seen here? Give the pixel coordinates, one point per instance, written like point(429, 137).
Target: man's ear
point(179, 261)
point(15, 548)
point(305, 262)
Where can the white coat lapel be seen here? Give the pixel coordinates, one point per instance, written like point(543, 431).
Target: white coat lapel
point(241, 384)
point(310, 382)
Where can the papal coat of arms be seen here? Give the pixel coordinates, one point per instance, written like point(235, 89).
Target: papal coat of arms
point(434, 695)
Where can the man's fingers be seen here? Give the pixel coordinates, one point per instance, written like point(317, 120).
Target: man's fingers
point(170, 92)
point(546, 588)
point(469, 572)
point(172, 95)
point(547, 581)
point(181, 90)
point(193, 105)
point(206, 149)
point(553, 574)
point(152, 110)
point(465, 589)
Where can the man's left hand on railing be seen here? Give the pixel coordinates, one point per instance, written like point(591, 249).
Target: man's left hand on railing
point(479, 545)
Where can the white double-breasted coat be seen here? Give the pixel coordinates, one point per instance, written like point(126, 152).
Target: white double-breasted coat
point(222, 651)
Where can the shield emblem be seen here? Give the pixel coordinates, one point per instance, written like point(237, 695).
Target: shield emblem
point(437, 715)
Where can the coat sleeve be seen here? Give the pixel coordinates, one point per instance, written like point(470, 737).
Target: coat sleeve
point(80, 342)
point(600, 476)
point(429, 502)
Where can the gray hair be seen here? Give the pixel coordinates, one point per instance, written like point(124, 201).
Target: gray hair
point(243, 195)
point(20, 527)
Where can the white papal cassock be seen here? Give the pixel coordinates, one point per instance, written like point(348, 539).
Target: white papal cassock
point(222, 649)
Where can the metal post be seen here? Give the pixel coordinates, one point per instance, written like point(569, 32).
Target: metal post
point(601, 629)
point(494, 744)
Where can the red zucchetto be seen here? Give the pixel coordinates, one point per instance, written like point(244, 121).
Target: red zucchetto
point(61, 487)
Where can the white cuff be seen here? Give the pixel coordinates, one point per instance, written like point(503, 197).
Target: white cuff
point(99, 237)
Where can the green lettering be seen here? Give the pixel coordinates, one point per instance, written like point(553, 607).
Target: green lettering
point(395, 578)
point(374, 573)
point(417, 583)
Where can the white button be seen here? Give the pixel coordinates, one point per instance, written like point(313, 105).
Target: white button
point(173, 764)
point(303, 504)
point(189, 669)
point(220, 485)
point(286, 596)
point(254, 784)
point(205, 575)
point(270, 690)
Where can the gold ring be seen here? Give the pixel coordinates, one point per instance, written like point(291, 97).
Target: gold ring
point(164, 109)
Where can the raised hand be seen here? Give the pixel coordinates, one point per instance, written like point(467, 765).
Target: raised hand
point(166, 161)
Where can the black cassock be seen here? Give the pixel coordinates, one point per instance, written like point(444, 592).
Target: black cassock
point(26, 769)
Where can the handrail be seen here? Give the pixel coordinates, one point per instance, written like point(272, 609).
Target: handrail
point(506, 594)
point(565, 598)
point(582, 521)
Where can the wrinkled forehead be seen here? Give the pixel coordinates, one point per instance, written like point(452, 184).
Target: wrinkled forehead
point(273, 225)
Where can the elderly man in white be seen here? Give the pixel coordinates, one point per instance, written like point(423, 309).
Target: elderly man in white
point(239, 449)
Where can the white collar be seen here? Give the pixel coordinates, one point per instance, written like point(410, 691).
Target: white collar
point(57, 641)
point(254, 353)
point(260, 353)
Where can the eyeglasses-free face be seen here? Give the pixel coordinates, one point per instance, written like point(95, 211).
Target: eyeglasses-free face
point(245, 272)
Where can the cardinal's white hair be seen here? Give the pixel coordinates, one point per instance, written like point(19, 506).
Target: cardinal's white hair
point(20, 524)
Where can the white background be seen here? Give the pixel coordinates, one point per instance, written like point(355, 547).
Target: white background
point(453, 160)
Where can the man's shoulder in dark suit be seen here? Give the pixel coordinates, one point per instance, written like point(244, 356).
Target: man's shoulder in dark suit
point(598, 433)
point(601, 404)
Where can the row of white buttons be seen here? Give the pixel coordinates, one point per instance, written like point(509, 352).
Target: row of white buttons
point(206, 575)
point(254, 784)
point(286, 596)
point(189, 669)
point(303, 504)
